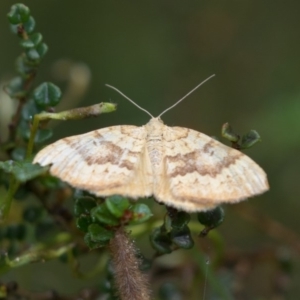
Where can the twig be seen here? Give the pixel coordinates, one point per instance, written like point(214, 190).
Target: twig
point(130, 281)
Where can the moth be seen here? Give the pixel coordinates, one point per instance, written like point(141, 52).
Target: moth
point(179, 167)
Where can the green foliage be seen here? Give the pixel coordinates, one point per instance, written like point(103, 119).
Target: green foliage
point(211, 219)
point(102, 214)
point(139, 213)
point(248, 140)
point(19, 13)
point(83, 205)
point(173, 234)
point(23, 171)
point(21, 87)
point(103, 218)
point(99, 234)
point(117, 205)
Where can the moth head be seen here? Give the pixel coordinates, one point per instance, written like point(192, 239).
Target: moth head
point(156, 120)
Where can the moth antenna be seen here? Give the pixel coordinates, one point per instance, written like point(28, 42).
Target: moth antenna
point(126, 97)
point(190, 92)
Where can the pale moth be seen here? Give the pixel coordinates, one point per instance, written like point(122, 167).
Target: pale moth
point(179, 167)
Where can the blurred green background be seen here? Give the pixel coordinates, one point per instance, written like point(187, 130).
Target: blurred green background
point(155, 52)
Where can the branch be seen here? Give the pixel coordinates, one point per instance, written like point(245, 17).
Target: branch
point(130, 282)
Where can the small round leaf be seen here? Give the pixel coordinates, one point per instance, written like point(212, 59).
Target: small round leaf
point(141, 213)
point(180, 220)
point(33, 56)
point(160, 241)
point(29, 25)
point(32, 41)
point(18, 154)
point(43, 135)
point(117, 205)
point(250, 139)
point(42, 49)
point(92, 244)
point(29, 110)
point(83, 222)
point(83, 206)
point(19, 13)
point(182, 238)
point(229, 134)
point(211, 218)
point(103, 215)
point(47, 94)
point(15, 87)
point(22, 29)
point(23, 68)
point(99, 234)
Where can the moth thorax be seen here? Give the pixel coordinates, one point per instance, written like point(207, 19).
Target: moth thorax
point(155, 151)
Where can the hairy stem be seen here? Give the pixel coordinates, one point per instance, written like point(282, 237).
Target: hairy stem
point(130, 282)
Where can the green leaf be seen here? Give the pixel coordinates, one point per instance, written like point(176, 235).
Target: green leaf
point(32, 41)
point(51, 182)
point(18, 154)
point(117, 205)
point(160, 241)
point(29, 25)
point(42, 135)
point(33, 56)
point(23, 171)
point(229, 134)
point(82, 194)
point(24, 129)
point(182, 238)
point(29, 110)
point(19, 13)
point(99, 233)
point(92, 244)
point(7, 166)
point(180, 220)
point(83, 223)
point(141, 213)
point(15, 87)
point(83, 206)
point(42, 49)
point(211, 218)
point(103, 215)
point(250, 139)
point(47, 94)
point(22, 67)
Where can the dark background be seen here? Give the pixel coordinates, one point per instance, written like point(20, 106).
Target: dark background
point(155, 52)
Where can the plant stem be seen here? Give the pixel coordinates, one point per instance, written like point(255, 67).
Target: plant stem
point(130, 282)
point(72, 114)
point(5, 203)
